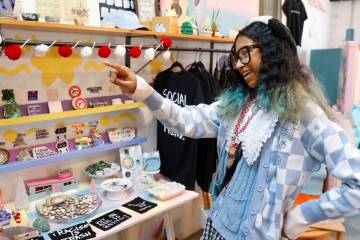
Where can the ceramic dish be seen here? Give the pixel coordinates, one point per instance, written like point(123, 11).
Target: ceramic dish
point(116, 185)
point(102, 169)
point(64, 208)
point(116, 188)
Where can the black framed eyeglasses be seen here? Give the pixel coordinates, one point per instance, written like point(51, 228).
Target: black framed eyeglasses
point(243, 54)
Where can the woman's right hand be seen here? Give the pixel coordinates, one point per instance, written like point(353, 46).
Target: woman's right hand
point(123, 77)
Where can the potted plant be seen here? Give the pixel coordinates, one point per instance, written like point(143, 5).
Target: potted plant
point(11, 109)
point(214, 24)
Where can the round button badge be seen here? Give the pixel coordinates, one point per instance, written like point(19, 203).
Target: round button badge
point(74, 91)
point(79, 103)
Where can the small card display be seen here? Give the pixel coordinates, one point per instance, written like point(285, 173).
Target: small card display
point(32, 95)
point(37, 238)
point(110, 220)
point(34, 110)
point(80, 231)
point(140, 205)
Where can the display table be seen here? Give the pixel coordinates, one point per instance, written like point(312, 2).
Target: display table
point(162, 208)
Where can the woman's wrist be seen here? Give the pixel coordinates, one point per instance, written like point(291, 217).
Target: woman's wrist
point(143, 89)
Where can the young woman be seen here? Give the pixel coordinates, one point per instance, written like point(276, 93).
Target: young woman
point(273, 129)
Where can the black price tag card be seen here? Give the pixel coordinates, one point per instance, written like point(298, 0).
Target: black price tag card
point(110, 220)
point(38, 238)
point(80, 231)
point(140, 205)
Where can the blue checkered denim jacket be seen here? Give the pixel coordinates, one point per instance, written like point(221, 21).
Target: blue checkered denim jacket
point(288, 155)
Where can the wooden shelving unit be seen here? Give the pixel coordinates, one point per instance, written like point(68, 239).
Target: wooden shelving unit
point(68, 114)
point(71, 28)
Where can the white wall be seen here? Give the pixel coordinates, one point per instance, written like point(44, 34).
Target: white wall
point(344, 15)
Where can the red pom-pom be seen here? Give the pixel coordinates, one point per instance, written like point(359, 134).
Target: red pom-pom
point(104, 51)
point(65, 51)
point(135, 51)
point(166, 42)
point(13, 51)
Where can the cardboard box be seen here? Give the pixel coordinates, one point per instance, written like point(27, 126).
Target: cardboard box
point(170, 23)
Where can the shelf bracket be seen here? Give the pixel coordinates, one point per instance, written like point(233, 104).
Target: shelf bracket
point(127, 55)
point(211, 57)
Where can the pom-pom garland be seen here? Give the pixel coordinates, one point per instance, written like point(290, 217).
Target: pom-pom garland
point(86, 52)
point(41, 50)
point(166, 55)
point(13, 51)
point(135, 51)
point(104, 51)
point(149, 54)
point(120, 51)
point(65, 51)
point(166, 42)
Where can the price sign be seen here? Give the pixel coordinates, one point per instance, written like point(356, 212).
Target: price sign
point(110, 220)
point(80, 231)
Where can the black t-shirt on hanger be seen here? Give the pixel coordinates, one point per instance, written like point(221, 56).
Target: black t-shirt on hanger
point(178, 153)
point(295, 16)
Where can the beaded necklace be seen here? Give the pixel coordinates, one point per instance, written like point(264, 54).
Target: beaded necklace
point(238, 130)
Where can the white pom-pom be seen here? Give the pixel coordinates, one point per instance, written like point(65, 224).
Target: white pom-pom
point(149, 54)
point(120, 51)
point(86, 52)
point(166, 55)
point(41, 50)
point(1, 39)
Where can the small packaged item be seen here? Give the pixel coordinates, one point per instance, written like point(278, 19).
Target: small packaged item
point(5, 217)
point(121, 134)
point(19, 233)
point(33, 110)
point(167, 190)
point(42, 152)
point(83, 143)
point(152, 162)
point(62, 144)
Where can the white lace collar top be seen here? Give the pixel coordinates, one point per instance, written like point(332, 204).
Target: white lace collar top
point(255, 135)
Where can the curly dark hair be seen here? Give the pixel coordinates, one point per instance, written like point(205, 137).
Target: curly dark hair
point(284, 84)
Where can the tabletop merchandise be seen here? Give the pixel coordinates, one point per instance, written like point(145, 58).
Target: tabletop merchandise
point(66, 208)
point(116, 188)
